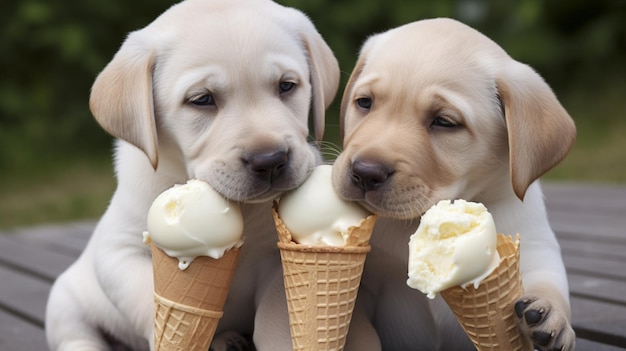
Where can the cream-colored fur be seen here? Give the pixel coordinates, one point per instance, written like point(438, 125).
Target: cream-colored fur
point(435, 110)
point(218, 90)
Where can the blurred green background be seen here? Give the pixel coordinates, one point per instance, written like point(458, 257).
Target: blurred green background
point(55, 162)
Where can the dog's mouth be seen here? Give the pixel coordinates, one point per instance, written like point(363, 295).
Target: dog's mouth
point(258, 177)
point(249, 189)
point(395, 210)
point(258, 195)
point(389, 201)
point(384, 188)
point(259, 198)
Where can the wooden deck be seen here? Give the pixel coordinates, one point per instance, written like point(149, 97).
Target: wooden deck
point(590, 221)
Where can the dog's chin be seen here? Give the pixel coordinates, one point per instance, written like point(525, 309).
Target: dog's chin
point(379, 203)
point(253, 197)
point(393, 213)
point(244, 187)
point(257, 194)
point(378, 206)
point(260, 198)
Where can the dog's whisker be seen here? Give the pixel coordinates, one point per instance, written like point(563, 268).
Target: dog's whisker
point(423, 203)
point(329, 150)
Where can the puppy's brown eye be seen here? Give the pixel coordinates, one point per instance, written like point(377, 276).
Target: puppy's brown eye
point(443, 123)
point(365, 103)
point(203, 100)
point(284, 87)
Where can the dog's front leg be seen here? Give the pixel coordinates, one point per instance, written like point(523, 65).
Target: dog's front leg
point(271, 322)
point(271, 331)
point(401, 316)
point(544, 310)
point(544, 322)
point(124, 270)
point(362, 335)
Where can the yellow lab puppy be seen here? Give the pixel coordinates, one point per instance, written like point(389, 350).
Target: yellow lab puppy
point(218, 90)
point(435, 110)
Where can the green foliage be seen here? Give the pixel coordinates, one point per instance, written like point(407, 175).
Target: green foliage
point(573, 44)
point(555, 36)
point(51, 51)
point(76, 190)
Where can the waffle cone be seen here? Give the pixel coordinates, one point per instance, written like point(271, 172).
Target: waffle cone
point(188, 303)
point(358, 235)
point(487, 313)
point(321, 284)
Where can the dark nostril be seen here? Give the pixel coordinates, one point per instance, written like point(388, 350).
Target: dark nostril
point(369, 175)
point(267, 165)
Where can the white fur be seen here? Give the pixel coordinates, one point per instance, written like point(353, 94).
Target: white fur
point(239, 52)
point(508, 129)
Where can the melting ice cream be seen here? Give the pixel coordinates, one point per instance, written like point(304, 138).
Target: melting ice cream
point(455, 244)
point(316, 215)
point(191, 220)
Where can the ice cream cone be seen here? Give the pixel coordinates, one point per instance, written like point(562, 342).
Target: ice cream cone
point(188, 303)
point(487, 313)
point(321, 284)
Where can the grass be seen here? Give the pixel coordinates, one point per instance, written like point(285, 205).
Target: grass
point(65, 192)
point(67, 189)
point(599, 154)
point(595, 160)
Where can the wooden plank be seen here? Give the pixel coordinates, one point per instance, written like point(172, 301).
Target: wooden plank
point(19, 335)
point(575, 190)
point(69, 239)
point(24, 295)
point(612, 269)
point(32, 259)
point(586, 226)
point(599, 321)
point(587, 212)
point(583, 197)
point(577, 247)
point(588, 345)
point(591, 231)
point(599, 288)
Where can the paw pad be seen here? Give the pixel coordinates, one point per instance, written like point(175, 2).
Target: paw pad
point(534, 316)
point(520, 307)
point(543, 338)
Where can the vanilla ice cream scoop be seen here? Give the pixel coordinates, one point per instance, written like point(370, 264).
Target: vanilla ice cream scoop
point(191, 220)
point(316, 215)
point(455, 244)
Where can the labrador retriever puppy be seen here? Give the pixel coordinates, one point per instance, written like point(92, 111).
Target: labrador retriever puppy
point(435, 110)
point(218, 90)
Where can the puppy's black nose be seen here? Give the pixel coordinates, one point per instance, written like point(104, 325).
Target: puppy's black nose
point(267, 166)
point(369, 175)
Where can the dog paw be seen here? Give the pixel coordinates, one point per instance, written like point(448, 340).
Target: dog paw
point(229, 341)
point(547, 327)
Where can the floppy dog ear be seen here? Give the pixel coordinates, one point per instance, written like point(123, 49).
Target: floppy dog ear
point(539, 129)
point(121, 97)
point(324, 77)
